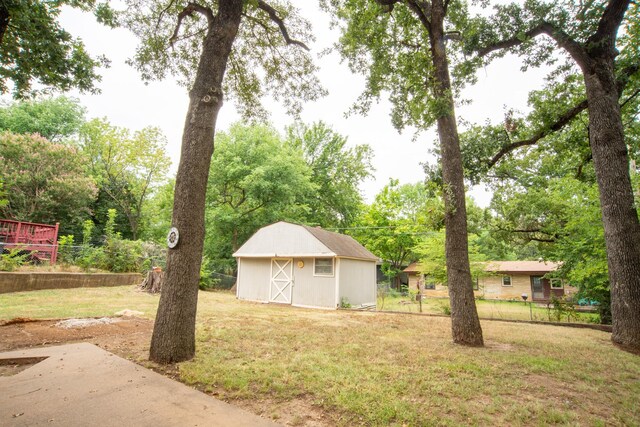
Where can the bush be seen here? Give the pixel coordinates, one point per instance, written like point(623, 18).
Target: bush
point(207, 282)
point(12, 260)
point(122, 256)
point(65, 249)
point(561, 307)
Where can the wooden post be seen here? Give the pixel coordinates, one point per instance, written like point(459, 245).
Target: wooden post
point(54, 242)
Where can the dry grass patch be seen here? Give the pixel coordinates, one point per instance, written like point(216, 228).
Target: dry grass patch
point(313, 367)
point(386, 369)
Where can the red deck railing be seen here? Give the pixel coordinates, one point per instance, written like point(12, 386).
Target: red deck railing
point(42, 239)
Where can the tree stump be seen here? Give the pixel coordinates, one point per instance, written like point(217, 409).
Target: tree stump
point(153, 282)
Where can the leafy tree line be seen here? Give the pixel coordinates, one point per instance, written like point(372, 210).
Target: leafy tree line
point(59, 167)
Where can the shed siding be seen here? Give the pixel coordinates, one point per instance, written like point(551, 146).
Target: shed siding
point(357, 281)
point(310, 290)
point(253, 279)
point(283, 240)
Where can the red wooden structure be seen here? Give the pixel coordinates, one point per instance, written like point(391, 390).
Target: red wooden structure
point(41, 239)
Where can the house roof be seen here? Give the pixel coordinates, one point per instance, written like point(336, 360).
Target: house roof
point(506, 266)
point(284, 239)
point(522, 266)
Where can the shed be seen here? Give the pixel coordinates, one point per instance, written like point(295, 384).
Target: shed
point(305, 266)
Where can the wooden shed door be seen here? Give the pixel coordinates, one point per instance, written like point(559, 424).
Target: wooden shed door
point(281, 280)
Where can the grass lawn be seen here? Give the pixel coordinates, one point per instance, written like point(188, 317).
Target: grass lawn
point(367, 368)
point(487, 309)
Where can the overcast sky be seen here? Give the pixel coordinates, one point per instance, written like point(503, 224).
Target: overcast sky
point(127, 102)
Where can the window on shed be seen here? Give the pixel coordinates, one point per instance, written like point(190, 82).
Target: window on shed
point(323, 267)
point(506, 280)
point(475, 282)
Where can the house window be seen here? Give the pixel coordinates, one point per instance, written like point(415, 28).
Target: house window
point(556, 283)
point(474, 282)
point(323, 267)
point(429, 283)
point(506, 280)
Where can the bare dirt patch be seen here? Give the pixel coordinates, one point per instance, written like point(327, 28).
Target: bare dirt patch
point(129, 337)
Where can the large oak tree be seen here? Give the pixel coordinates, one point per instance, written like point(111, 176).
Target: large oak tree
point(401, 45)
point(587, 33)
point(219, 49)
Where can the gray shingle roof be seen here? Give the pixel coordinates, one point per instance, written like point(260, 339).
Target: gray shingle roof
point(341, 244)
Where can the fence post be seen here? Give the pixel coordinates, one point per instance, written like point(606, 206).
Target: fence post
point(54, 252)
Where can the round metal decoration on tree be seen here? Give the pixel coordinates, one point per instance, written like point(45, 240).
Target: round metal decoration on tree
point(173, 237)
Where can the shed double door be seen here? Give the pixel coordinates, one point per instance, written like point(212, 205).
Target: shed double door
point(281, 282)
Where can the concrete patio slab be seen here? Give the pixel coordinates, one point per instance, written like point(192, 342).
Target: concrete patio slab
point(83, 385)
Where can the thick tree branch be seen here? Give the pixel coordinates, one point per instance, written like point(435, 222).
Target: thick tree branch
point(562, 121)
point(420, 13)
point(273, 15)
point(188, 11)
point(569, 115)
point(575, 49)
point(608, 25)
point(162, 12)
point(630, 98)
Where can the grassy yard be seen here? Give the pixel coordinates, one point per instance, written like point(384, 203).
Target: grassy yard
point(487, 309)
point(364, 368)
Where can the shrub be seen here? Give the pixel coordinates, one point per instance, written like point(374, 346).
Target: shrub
point(207, 282)
point(122, 256)
point(12, 260)
point(65, 249)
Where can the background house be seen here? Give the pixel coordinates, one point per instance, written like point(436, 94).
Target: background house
point(504, 280)
point(306, 267)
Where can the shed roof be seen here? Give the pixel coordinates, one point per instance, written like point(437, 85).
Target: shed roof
point(506, 266)
point(284, 239)
point(340, 244)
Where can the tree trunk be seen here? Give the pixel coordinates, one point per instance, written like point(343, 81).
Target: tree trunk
point(153, 282)
point(619, 215)
point(465, 325)
point(173, 337)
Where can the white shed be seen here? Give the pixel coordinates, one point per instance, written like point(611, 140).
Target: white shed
point(306, 267)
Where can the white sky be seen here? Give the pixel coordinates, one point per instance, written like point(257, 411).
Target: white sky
point(127, 102)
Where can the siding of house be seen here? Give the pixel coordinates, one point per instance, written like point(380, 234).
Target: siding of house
point(493, 289)
point(255, 276)
point(310, 290)
point(357, 281)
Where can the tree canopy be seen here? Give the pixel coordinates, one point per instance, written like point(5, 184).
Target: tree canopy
point(337, 170)
point(255, 179)
point(53, 118)
point(127, 167)
point(45, 182)
point(35, 50)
